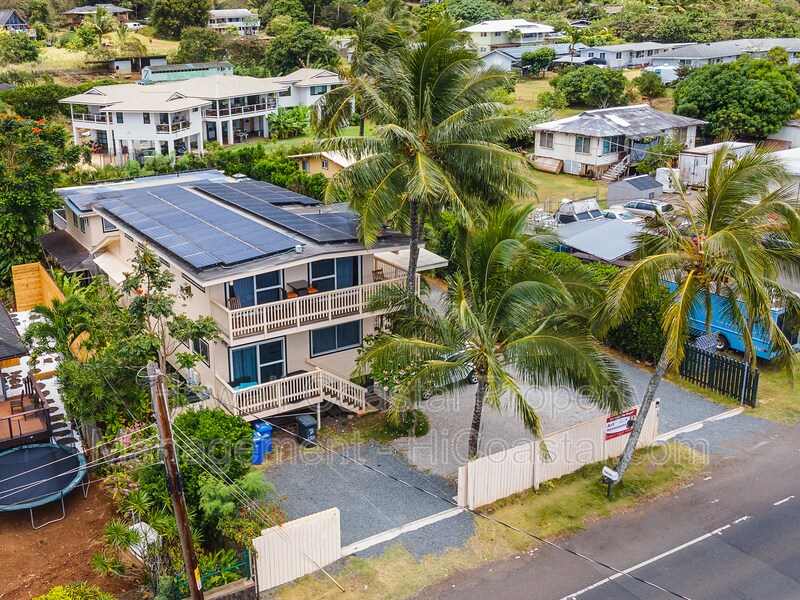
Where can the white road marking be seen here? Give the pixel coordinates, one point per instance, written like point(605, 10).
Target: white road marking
point(742, 519)
point(779, 502)
point(398, 531)
point(707, 478)
point(699, 424)
point(652, 560)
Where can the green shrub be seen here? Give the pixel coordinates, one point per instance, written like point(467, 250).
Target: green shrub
point(76, 591)
point(641, 336)
point(389, 429)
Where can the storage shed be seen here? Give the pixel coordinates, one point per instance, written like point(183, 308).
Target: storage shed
point(641, 187)
point(695, 163)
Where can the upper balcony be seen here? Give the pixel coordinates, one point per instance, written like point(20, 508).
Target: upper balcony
point(297, 314)
point(245, 109)
point(92, 118)
point(173, 127)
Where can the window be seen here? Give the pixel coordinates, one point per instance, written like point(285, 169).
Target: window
point(338, 337)
point(483, 34)
point(306, 165)
point(335, 274)
point(317, 90)
point(120, 118)
point(546, 139)
point(325, 164)
point(75, 219)
point(619, 56)
point(498, 33)
point(83, 225)
point(260, 363)
point(583, 144)
point(108, 226)
point(261, 289)
point(285, 93)
point(649, 53)
point(591, 54)
point(613, 144)
point(200, 346)
point(146, 118)
point(603, 55)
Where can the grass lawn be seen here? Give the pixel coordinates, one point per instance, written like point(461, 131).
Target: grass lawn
point(561, 507)
point(556, 187)
point(299, 140)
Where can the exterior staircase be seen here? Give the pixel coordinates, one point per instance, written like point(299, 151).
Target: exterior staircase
point(615, 172)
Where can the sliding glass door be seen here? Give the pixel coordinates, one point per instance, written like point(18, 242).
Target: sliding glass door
point(260, 363)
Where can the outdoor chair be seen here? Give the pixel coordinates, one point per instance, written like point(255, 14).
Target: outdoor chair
point(378, 275)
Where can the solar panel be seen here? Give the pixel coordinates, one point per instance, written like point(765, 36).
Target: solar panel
point(324, 229)
point(260, 190)
point(194, 229)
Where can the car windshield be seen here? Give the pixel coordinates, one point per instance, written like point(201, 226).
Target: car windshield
point(666, 208)
point(626, 216)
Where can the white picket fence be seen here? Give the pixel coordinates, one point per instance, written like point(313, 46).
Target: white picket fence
point(502, 474)
point(297, 548)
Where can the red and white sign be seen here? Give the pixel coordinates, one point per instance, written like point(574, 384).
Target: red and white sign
point(621, 424)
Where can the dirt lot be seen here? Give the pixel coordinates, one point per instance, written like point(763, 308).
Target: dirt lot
point(35, 561)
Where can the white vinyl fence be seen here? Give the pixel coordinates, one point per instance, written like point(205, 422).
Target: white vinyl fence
point(297, 548)
point(498, 475)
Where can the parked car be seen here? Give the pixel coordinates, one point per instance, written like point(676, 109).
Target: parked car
point(470, 377)
point(623, 215)
point(647, 209)
point(134, 25)
point(145, 153)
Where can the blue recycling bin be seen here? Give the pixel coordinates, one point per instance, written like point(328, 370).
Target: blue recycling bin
point(258, 449)
point(265, 429)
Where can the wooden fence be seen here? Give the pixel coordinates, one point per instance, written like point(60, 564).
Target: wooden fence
point(490, 478)
point(297, 548)
point(33, 285)
point(723, 374)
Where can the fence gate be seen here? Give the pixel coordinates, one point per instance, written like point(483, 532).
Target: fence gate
point(728, 376)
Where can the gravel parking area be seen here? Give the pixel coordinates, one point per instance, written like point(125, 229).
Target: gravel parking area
point(369, 503)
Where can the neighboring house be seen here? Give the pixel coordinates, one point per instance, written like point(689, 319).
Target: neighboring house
point(180, 116)
point(126, 65)
point(488, 35)
point(789, 133)
point(578, 61)
point(180, 71)
point(327, 163)
point(626, 56)
point(667, 73)
point(641, 187)
point(245, 22)
point(694, 163)
point(283, 276)
point(607, 142)
point(697, 55)
point(12, 22)
point(509, 58)
point(75, 16)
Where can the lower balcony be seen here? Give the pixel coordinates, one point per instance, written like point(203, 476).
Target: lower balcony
point(297, 314)
point(291, 393)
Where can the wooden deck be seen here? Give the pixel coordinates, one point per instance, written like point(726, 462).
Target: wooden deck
point(24, 416)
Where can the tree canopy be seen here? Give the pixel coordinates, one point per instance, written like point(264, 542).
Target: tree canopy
point(746, 98)
point(300, 45)
point(171, 17)
point(538, 60)
point(591, 86)
point(473, 11)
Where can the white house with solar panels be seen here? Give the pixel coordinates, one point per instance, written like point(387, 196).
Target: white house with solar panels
point(121, 121)
point(283, 276)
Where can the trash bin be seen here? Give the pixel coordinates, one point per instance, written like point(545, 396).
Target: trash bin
point(307, 431)
point(265, 429)
point(258, 449)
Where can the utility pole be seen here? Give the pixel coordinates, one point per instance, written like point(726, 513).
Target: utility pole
point(174, 482)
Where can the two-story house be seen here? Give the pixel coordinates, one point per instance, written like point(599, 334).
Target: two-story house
point(179, 116)
point(75, 16)
point(607, 142)
point(489, 35)
point(245, 21)
point(13, 22)
point(284, 277)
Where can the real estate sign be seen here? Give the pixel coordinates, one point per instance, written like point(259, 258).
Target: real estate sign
point(617, 425)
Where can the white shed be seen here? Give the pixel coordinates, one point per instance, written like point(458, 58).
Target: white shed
point(789, 133)
point(695, 162)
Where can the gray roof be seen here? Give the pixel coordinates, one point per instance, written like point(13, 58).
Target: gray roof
point(7, 13)
point(641, 182)
point(67, 251)
point(187, 66)
point(516, 52)
point(636, 47)
point(11, 345)
point(605, 239)
point(579, 60)
point(732, 48)
point(90, 10)
point(634, 121)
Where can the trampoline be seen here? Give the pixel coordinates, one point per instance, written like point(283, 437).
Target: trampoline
point(38, 474)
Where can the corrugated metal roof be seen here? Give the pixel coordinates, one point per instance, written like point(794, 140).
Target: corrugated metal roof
point(631, 121)
point(732, 48)
point(641, 182)
point(605, 239)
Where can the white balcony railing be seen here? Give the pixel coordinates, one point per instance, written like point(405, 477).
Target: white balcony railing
point(291, 393)
point(230, 111)
point(91, 118)
point(59, 219)
point(296, 313)
point(173, 128)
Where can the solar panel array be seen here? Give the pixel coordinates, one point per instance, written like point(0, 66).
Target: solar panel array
point(322, 228)
point(260, 190)
point(194, 229)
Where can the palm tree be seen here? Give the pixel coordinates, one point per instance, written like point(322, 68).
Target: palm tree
point(58, 326)
point(102, 21)
point(437, 143)
point(741, 239)
point(506, 316)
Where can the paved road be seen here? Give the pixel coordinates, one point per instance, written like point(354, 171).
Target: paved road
point(750, 508)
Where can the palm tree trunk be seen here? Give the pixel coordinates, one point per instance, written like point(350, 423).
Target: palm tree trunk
point(416, 223)
point(475, 430)
point(647, 401)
